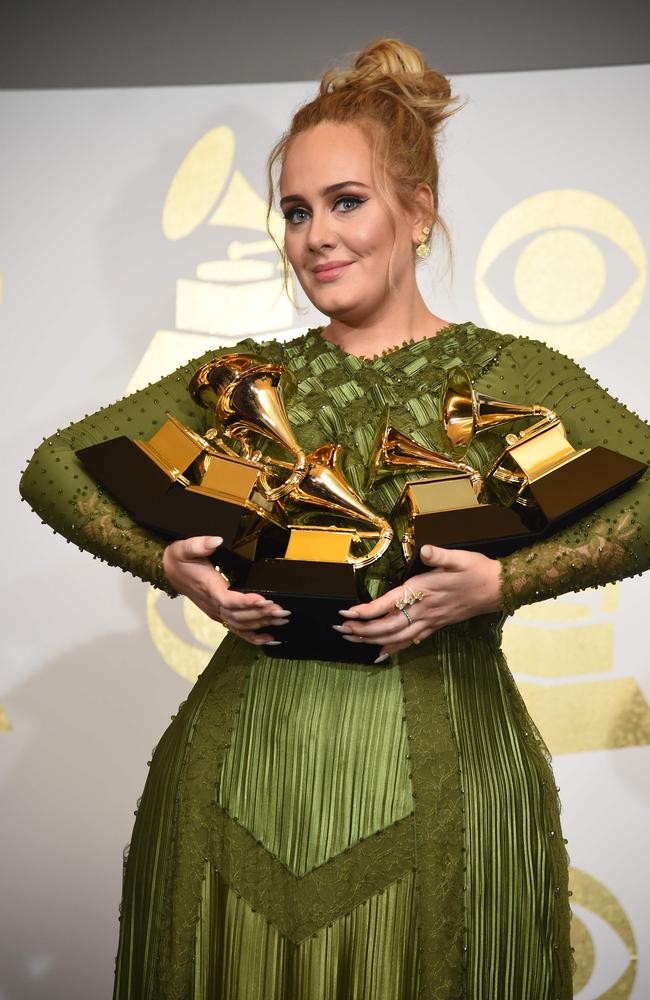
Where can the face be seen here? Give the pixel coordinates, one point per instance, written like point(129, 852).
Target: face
point(339, 233)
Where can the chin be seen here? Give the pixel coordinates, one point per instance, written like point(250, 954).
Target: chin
point(335, 301)
point(332, 304)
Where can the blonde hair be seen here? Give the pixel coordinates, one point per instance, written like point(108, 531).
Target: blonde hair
point(401, 104)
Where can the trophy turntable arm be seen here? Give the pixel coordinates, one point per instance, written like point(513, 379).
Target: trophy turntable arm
point(612, 542)
point(65, 496)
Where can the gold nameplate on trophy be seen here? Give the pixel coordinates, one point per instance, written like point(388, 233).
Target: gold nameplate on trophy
point(319, 544)
point(174, 447)
point(228, 478)
point(541, 450)
point(443, 493)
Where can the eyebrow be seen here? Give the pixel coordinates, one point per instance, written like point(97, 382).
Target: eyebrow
point(328, 190)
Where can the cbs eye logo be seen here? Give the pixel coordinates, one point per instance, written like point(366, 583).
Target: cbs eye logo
point(572, 249)
point(602, 936)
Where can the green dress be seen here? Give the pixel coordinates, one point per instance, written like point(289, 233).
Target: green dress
point(321, 831)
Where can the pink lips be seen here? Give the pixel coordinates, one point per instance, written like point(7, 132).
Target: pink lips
point(331, 270)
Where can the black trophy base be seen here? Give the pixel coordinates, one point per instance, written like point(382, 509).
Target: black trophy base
point(314, 592)
point(168, 508)
point(486, 528)
point(560, 497)
point(583, 484)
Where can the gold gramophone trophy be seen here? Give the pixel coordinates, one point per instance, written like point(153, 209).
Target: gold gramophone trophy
point(332, 536)
point(246, 396)
point(443, 507)
point(180, 483)
point(330, 533)
point(539, 472)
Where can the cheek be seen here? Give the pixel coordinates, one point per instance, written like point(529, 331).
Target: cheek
point(292, 247)
point(374, 235)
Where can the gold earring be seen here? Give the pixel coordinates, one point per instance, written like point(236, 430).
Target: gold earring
point(423, 248)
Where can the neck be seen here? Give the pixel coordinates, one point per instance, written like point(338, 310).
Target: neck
point(389, 326)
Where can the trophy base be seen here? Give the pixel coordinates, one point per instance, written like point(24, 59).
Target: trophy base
point(314, 592)
point(583, 483)
point(165, 506)
point(486, 528)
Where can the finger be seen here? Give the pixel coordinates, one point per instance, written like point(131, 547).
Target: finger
point(405, 634)
point(452, 560)
point(433, 556)
point(235, 600)
point(374, 609)
point(243, 616)
point(199, 547)
point(415, 639)
point(258, 638)
point(388, 651)
point(249, 624)
point(388, 625)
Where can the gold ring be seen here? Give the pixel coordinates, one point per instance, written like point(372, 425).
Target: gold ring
point(416, 642)
point(409, 599)
point(407, 615)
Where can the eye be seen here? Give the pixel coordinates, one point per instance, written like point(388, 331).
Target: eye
point(348, 202)
point(295, 216)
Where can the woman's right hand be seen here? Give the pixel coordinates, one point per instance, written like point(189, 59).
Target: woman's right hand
point(190, 572)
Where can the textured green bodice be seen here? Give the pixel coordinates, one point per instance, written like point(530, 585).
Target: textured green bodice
point(320, 831)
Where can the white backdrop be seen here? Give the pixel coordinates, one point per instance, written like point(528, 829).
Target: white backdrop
point(130, 239)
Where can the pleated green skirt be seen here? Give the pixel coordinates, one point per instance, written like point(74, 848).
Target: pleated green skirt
point(320, 831)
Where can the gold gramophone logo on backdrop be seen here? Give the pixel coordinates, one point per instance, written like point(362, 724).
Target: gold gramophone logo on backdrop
point(237, 295)
point(556, 647)
point(240, 294)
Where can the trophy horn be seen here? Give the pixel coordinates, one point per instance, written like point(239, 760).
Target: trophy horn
point(466, 412)
point(394, 451)
point(325, 488)
point(245, 393)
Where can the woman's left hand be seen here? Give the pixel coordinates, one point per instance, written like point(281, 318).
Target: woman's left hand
point(458, 585)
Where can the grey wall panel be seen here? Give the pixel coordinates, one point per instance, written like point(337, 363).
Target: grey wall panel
point(74, 44)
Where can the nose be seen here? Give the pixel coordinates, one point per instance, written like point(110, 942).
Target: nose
point(321, 234)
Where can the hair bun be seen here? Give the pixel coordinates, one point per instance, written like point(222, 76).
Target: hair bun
point(396, 69)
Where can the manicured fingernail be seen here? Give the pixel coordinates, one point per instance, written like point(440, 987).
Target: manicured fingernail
point(273, 642)
point(341, 628)
point(384, 656)
point(352, 638)
point(349, 614)
point(281, 614)
point(261, 604)
point(426, 551)
point(280, 621)
point(215, 540)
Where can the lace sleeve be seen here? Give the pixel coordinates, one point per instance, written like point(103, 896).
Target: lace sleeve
point(65, 496)
point(612, 542)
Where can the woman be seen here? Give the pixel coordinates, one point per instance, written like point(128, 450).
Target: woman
point(319, 830)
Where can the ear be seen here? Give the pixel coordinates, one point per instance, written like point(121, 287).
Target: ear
point(423, 213)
